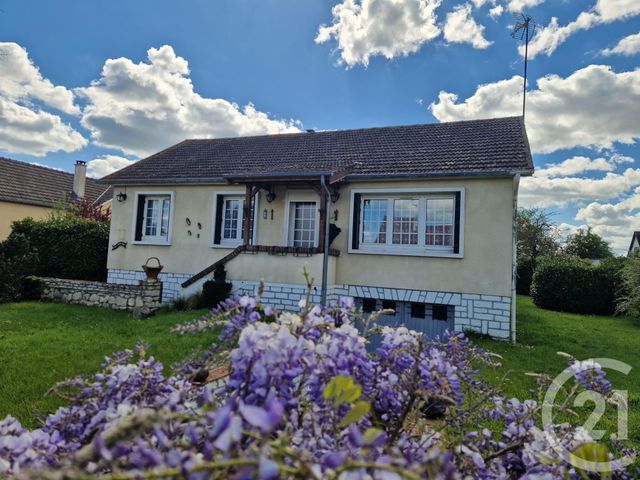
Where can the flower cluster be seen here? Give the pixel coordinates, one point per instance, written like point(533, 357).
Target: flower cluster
point(307, 397)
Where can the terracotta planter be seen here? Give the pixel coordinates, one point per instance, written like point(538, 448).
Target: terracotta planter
point(152, 271)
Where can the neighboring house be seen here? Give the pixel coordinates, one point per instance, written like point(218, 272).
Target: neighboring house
point(28, 190)
point(423, 218)
point(635, 243)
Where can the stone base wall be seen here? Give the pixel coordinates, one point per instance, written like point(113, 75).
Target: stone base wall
point(143, 297)
point(488, 314)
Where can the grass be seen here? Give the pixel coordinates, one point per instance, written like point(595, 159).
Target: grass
point(543, 333)
point(44, 343)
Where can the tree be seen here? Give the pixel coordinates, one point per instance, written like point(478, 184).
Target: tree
point(587, 244)
point(537, 234)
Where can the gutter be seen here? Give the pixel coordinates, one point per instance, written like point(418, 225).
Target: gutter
point(225, 180)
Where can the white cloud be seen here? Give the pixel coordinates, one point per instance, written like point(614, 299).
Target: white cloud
point(35, 132)
point(20, 80)
point(389, 28)
point(580, 164)
point(140, 108)
point(521, 5)
point(627, 46)
point(549, 38)
point(496, 11)
point(614, 221)
point(106, 164)
point(25, 127)
point(593, 107)
point(460, 27)
point(540, 191)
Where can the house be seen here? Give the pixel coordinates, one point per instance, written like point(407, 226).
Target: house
point(417, 218)
point(28, 190)
point(635, 243)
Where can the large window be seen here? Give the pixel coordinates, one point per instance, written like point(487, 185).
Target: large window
point(153, 218)
point(422, 223)
point(303, 224)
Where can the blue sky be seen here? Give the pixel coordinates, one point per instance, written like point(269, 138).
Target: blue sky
point(374, 63)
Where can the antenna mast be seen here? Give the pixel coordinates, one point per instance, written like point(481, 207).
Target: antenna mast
point(524, 28)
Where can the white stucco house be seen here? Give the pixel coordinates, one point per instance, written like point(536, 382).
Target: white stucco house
point(417, 218)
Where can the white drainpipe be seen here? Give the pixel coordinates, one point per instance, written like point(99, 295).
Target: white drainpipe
point(514, 259)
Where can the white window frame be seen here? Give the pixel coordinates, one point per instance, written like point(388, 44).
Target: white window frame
point(420, 250)
point(155, 240)
point(233, 243)
point(290, 198)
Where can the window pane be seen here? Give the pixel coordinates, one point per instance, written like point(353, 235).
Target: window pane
point(151, 220)
point(439, 226)
point(405, 222)
point(231, 218)
point(304, 223)
point(374, 221)
point(164, 228)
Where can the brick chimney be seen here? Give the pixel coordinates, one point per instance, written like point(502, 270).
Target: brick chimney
point(79, 178)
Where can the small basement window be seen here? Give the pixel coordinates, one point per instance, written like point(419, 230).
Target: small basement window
point(440, 312)
point(418, 310)
point(389, 305)
point(368, 305)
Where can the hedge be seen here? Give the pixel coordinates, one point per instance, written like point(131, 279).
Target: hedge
point(569, 284)
point(67, 247)
point(17, 260)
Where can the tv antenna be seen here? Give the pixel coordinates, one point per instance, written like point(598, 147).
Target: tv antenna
point(524, 29)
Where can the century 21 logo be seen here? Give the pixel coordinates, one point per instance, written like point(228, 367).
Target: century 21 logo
point(621, 400)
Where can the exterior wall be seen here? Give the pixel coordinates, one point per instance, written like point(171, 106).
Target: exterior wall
point(143, 297)
point(478, 284)
point(9, 212)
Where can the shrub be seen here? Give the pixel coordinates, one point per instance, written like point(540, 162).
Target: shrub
point(629, 298)
point(570, 284)
point(525, 268)
point(68, 247)
point(17, 260)
point(31, 288)
point(305, 399)
point(216, 290)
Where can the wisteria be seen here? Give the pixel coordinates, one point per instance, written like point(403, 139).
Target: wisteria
point(306, 397)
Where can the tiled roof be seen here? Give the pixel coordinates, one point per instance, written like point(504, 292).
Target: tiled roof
point(478, 147)
point(22, 182)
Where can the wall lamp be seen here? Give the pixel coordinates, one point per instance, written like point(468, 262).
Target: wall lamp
point(335, 196)
point(271, 196)
point(121, 196)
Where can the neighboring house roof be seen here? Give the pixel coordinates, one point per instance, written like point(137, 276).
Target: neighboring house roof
point(635, 239)
point(30, 184)
point(496, 146)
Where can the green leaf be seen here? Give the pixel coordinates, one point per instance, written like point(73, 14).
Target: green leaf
point(592, 452)
point(371, 434)
point(342, 389)
point(357, 412)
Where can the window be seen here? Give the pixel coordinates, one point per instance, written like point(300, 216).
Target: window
point(368, 305)
point(420, 223)
point(153, 218)
point(440, 222)
point(233, 220)
point(440, 312)
point(389, 305)
point(374, 224)
point(418, 310)
point(302, 224)
point(229, 219)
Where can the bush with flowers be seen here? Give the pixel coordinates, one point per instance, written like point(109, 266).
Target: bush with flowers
point(304, 399)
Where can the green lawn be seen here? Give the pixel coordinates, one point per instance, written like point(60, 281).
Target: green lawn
point(542, 333)
point(41, 344)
